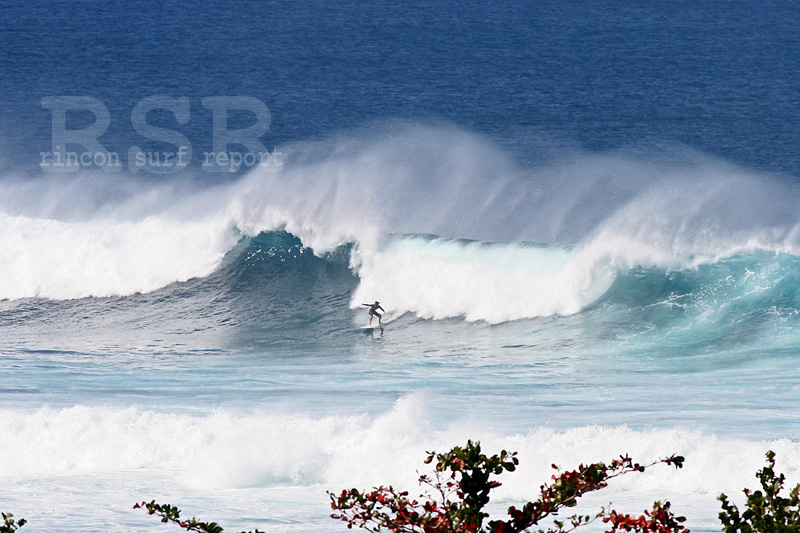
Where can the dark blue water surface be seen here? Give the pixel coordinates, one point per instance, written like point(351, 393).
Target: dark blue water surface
point(719, 77)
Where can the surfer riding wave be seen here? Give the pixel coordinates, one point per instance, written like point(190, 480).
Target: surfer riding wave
point(373, 311)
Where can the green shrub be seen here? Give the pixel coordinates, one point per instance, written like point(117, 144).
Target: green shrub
point(767, 511)
point(10, 525)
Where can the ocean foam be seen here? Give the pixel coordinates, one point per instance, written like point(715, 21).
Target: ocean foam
point(64, 260)
point(441, 278)
point(226, 449)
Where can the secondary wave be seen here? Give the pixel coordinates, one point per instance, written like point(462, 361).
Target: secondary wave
point(239, 450)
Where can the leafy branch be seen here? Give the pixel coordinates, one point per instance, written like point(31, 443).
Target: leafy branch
point(9, 525)
point(170, 513)
point(767, 511)
point(459, 490)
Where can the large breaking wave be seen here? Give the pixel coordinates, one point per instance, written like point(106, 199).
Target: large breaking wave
point(438, 221)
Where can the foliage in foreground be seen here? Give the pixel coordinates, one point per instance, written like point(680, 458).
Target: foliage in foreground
point(9, 525)
point(459, 490)
point(767, 511)
point(170, 513)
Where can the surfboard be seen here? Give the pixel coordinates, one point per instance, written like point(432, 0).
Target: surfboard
point(373, 326)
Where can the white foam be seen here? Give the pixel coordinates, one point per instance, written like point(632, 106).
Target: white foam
point(440, 278)
point(689, 221)
point(84, 458)
point(63, 260)
point(230, 449)
point(80, 236)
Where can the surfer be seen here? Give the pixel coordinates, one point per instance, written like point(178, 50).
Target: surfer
point(373, 311)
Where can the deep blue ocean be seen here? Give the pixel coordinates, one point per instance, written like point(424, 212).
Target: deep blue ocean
point(583, 221)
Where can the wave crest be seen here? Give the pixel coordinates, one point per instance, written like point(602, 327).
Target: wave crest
point(600, 214)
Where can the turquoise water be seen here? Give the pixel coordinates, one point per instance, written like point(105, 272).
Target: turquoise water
point(582, 223)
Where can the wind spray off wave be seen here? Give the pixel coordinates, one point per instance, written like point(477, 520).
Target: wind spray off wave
point(597, 216)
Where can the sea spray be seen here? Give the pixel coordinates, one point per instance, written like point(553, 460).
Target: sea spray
point(613, 212)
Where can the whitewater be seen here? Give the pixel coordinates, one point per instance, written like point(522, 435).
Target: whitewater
point(198, 343)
